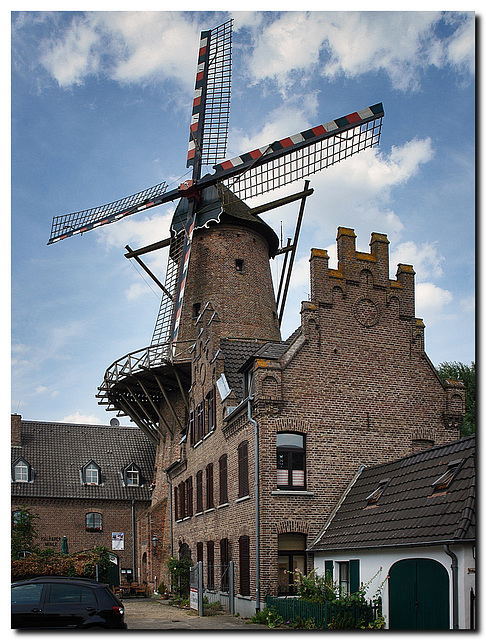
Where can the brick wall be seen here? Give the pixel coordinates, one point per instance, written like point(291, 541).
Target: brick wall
point(355, 381)
point(58, 518)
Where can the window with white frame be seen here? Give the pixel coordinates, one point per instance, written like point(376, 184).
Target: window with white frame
point(21, 471)
point(132, 475)
point(291, 461)
point(91, 473)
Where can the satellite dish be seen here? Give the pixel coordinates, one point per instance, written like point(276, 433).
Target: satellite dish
point(114, 422)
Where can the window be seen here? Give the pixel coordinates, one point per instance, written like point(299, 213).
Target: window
point(239, 265)
point(377, 493)
point(21, 471)
point(199, 552)
point(225, 559)
point(244, 544)
point(291, 559)
point(91, 473)
point(27, 594)
point(446, 478)
point(343, 577)
point(182, 500)
point(94, 522)
point(199, 492)
point(290, 461)
point(132, 476)
point(209, 487)
point(348, 576)
point(211, 406)
point(223, 479)
point(210, 552)
point(243, 484)
point(196, 310)
point(71, 594)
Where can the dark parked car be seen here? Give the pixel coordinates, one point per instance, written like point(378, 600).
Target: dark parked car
point(79, 603)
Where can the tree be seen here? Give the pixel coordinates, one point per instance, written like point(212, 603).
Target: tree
point(467, 374)
point(24, 533)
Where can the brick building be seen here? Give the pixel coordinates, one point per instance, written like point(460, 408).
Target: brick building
point(86, 482)
point(257, 437)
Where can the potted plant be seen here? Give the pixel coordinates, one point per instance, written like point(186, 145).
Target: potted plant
point(162, 590)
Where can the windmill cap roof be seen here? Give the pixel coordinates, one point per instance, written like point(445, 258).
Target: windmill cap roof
point(218, 204)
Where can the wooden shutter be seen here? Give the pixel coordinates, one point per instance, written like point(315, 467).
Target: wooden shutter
point(199, 491)
point(243, 484)
point(244, 566)
point(223, 479)
point(353, 576)
point(329, 569)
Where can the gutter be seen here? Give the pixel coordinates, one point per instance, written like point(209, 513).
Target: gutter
point(455, 587)
point(257, 508)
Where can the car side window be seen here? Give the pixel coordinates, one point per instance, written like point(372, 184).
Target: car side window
point(70, 594)
point(27, 594)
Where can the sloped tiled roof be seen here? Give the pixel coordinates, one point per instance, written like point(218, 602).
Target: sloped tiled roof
point(235, 353)
point(408, 511)
point(57, 452)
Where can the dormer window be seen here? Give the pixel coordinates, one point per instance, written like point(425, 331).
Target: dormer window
point(21, 471)
point(446, 478)
point(131, 475)
point(377, 493)
point(91, 473)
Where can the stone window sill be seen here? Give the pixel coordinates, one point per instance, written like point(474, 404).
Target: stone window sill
point(287, 492)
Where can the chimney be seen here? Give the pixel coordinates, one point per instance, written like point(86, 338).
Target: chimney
point(16, 430)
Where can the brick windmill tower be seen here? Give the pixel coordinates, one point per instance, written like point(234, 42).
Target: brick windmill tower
point(219, 259)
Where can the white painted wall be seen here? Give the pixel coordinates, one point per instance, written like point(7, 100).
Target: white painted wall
point(375, 565)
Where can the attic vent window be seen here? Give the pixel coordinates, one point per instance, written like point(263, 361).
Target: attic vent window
point(446, 478)
point(378, 492)
point(239, 265)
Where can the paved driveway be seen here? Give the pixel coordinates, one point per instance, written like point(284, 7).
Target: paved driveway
point(150, 613)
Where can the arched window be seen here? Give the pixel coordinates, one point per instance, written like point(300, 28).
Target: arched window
point(291, 461)
point(94, 522)
point(91, 473)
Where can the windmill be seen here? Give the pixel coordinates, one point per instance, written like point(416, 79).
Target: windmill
point(256, 172)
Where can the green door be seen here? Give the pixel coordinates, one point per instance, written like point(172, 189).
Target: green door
point(114, 572)
point(418, 595)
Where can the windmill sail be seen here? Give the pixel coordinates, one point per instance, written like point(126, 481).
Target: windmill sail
point(70, 224)
point(302, 154)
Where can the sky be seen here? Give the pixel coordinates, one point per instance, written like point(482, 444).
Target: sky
point(100, 109)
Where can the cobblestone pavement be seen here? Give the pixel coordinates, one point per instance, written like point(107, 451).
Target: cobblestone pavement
point(151, 613)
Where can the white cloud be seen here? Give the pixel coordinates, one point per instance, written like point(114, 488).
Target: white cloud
point(430, 301)
point(399, 43)
point(125, 46)
point(424, 258)
point(81, 418)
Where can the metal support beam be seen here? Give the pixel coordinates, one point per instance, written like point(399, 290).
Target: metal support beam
point(130, 411)
point(294, 249)
point(169, 403)
point(161, 417)
point(282, 201)
point(154, 277)
point(132, 253)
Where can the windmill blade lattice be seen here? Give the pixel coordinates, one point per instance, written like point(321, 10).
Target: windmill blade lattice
point(211, 104)
point(303, 154)
point(70, 224)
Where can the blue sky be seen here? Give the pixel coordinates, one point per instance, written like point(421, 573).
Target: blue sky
point(101, 105)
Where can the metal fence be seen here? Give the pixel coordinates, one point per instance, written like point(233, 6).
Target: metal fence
point(321, 615)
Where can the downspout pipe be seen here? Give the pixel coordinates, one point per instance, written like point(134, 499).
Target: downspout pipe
point(455, 586)
point(170, 516)
point(257, 507)
point(133, 539)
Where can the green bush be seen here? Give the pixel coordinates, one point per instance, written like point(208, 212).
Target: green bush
point(268, 616)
